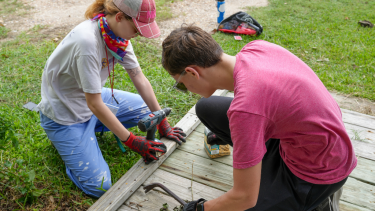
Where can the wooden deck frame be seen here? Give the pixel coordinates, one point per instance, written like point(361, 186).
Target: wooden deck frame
point(129, 183)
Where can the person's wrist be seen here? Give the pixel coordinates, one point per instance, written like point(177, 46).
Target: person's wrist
point(129, 140)
point(200, 205)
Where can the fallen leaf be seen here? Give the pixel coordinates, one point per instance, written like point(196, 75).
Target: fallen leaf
point(6, 56)
point(346, 18)
point(56, 39)
point(323, 60)
point(355, 66)
point(52, 199)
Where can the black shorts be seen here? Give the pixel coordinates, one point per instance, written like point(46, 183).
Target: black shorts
point(279, 189)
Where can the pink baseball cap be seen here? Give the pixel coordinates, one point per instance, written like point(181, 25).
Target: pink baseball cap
point(143, 13)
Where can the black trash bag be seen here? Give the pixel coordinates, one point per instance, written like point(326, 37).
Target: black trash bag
point(240, 23)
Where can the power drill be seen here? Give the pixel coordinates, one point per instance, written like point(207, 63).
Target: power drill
point(148, 123)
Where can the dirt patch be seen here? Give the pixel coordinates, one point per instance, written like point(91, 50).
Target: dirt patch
point(357, 104)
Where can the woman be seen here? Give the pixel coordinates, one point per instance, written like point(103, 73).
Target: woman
point(74, 103)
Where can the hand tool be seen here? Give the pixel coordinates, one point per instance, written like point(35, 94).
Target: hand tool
point(149, 187)
point(149, 122)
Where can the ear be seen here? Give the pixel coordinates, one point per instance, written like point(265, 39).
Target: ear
point(119, 16)
point(193, 70)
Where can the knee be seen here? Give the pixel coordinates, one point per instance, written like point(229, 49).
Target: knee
point(201, 108)
point(97, 186)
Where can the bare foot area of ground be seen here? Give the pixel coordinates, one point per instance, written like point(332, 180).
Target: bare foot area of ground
point(58, 17)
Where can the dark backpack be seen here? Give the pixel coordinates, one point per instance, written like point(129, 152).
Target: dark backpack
point(240, 23)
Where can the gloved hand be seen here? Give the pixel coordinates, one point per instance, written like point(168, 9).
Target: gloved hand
point(176, 134)
point(147, 149)
point(192, 206)
point(212, 139)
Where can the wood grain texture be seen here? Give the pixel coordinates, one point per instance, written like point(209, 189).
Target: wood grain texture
point(345, 206)
point(360, 133)
point(130, 182)
point(194, 144)
point(359, 193)
point(205, 170)
point(363, 149)
point(182, 186)
point(154, 200)
point(365, 171)
point(355, 118)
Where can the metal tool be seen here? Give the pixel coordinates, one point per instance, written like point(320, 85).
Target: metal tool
point(149, 123)
point(149, 187)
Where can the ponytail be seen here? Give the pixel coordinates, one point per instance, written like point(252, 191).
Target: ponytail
point(103, 6)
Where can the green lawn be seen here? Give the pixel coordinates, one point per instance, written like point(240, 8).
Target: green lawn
point(326, 35)
point(335, 47)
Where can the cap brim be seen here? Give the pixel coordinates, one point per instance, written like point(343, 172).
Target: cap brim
point(148, 30)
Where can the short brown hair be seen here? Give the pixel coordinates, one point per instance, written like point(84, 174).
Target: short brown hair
point(103, 6)
point(189, 45)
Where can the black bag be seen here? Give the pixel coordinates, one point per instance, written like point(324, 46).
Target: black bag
point(240, 23)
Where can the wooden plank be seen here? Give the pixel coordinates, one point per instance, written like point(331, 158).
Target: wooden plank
point(130, 182)
point(195, 145)
point(206, 171)
point(358, 119)
point(345, 206)
point(365, 171)
point(153, 200)
point(359, 193)
point(363, 149)
point(182, 186)
point(200, 128)
point(360, 133)
point(229, 94)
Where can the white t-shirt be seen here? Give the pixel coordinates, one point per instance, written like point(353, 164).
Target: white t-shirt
point(78, 65)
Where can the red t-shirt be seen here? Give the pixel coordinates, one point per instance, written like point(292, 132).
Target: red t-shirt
point(276, 95)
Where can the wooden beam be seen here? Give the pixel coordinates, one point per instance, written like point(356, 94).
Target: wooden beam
point(365, 171)
point(129, 183)
point(358, 119)
point(345, 206)
point(359, 193)
point(178, 185)
point(194, 145)
point(363, 149)
point(205, 170)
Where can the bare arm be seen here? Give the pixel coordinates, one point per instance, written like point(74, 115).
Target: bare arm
point(243, 195)
point(97, 106)
point(144, 88)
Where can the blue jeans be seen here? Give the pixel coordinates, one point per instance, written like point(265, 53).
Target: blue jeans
point(78, 146)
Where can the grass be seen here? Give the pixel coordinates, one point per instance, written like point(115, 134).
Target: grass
point(163, 11)
point(3, 32)
point(325, 35)
point(22, 65)
point(12, 6)
point(313, 30)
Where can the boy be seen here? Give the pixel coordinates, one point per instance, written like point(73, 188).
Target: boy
point(290, 147)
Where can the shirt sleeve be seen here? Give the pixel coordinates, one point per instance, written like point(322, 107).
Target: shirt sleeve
point(89, 74)
point(248, 133)
point(130, 60)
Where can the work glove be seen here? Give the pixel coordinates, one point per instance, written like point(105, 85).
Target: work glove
point(176, 134)
point(146, 148)
point(212, 139)
point(192, 206)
